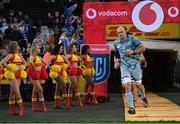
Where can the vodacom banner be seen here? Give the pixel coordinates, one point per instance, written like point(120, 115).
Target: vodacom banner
point(146, 16)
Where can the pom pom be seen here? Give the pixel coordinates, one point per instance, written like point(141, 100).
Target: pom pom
point(89, 71)
point(56, 68)
point(9, 75)
point(23, 74)
point(53, 74)
point(13, 67)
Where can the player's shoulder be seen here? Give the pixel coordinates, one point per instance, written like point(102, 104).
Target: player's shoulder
point(116, 41)
point(133, 39)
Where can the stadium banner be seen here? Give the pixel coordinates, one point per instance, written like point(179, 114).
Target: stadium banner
point(122, 12)
point(166, 31)
point(101, 56)
point(147, 16)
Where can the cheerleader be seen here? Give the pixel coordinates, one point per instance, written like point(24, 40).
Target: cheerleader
point(57, 72)
point(36, 73)
point(88, 72)
point(74, 70)
point(13, 64)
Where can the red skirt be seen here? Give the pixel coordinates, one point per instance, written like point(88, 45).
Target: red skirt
point(44, 74)
point(37, 75)
point(74, 71)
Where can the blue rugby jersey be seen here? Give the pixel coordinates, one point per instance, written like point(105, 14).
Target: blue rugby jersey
point(130, 43)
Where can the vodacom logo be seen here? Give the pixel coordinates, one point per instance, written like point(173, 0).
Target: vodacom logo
point(173, 11)
point(91, 13)
point(147, 16)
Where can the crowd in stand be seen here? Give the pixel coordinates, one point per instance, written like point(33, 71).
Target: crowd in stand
point(18, 26)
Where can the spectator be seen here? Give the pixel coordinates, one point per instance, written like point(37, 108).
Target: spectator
point(15, 34)
point(51, 38)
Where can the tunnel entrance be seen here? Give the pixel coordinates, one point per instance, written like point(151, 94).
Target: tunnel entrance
point(157, 77)
point(160, 72)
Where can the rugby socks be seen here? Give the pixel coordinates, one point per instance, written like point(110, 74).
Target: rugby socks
point(142, 93)
point(129, 98)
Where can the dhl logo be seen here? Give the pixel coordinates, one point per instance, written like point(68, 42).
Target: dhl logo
point(166, 31)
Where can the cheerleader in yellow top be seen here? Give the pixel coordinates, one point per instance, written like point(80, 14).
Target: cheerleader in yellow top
point(57, 72)
point(13, 71)
point(74, 70)
point(88, 72)
point(36, 73)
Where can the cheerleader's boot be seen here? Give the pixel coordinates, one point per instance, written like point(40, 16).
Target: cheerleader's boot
point(34, 104)
point(94, 100)
point(85, 98)
point(44, 109)
point(79, 99)
point(56, 102)
point(66, 100)
point(12, 108)
point(21, 106)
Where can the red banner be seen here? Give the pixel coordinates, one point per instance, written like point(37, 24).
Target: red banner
point(147, 16)
point(98, 13)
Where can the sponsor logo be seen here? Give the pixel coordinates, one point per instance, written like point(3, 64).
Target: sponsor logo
point(113, 13)
point(147, 16)
point(101, 57)
point(173, 11)
point(164, 32)
point(92, 13)
point(102, 67)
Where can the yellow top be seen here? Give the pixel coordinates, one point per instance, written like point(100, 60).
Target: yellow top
point(16, 59)
point(59, 60)
point(74, 59)
point(38, 61)
point(88, 60)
